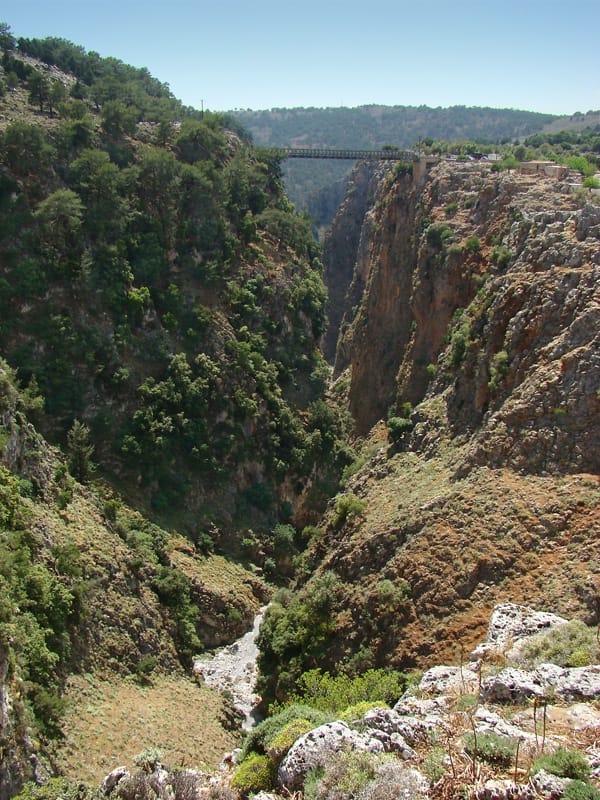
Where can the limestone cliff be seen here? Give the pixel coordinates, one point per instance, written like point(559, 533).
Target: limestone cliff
point(480, 288)
point(479, 326)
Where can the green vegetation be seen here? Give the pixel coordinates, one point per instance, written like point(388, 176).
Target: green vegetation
point(498, 370)
point(491, 747)
point(565, 764)
point(573, 644)
point(175, 298)
point(347, 507)
point(254, 774)
point(335, 694)
point(578, 790)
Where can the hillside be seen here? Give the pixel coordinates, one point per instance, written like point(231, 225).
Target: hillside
point(161, 395)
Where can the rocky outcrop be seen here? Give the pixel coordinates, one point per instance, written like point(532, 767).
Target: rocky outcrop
point(318, 746)
point(481, 288)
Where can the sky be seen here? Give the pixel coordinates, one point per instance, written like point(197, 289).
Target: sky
point(262, 54)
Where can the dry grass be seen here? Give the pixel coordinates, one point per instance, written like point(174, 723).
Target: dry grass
point(109, 723)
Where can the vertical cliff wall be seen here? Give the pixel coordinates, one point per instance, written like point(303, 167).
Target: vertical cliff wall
point(479, 287)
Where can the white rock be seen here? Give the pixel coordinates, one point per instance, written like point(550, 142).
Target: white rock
point(511, 623)
point(440, 680)
point(549, 785)
point(504, 790)
point(113, 779)
point(511, 686)
point(316, 747)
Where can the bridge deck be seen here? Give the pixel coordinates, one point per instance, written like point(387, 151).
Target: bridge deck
point(354, 155)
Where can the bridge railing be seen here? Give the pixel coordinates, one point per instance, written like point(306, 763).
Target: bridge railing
point(354, 155)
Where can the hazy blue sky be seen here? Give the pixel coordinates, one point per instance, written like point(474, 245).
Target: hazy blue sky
point(541, 55)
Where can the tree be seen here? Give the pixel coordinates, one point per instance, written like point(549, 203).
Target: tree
point(39, 88)
point(7, 40)
point(80, 451)
point(57, 94)
point(60, 216)
point(24, 149)
point(117, 118)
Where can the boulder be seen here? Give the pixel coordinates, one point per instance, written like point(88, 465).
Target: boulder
point(511, 686)
point(444, 680)
point(421, 707)
point(579, 683)
point(397, 781)
point(511, 623)
point(411, 729)
point(112, 780)
point(548, 785)
point(316, 747)
point(487, 721)
point(504, 790)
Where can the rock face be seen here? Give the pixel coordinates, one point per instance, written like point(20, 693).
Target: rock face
point(342, 243)
point(478, 322)
point(482, 287)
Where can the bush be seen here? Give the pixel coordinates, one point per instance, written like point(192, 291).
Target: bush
point(591, 182)
point(491, 747)
point(337, 693)
point(473, 244)
point(256, 773)
point(438, 233)
point(261, 737)
point(578, 790)
point(356, 711)
point(397, 427)
point(565, 764)
point(345, 775)
point(347, 507)
point(569, 645)
point(281, 743)
point(498, 370)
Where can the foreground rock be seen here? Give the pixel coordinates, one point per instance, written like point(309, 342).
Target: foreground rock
point(318, 746)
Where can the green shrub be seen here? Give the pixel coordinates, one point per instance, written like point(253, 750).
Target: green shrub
point(266, 732)
point(501, 256)
point(337, 693)
point(570, 645)
point(458, 344)
point(591, 182)
point(347, 507)
point(54, 789)
point(434, 764)
point(357, 710)
point(397, 427)
point(578, 790)
point(438, 233)
point(565, 764)
point(473, 244)
point(281, 743)
point(498, 370)
point(256, 773)
point(344, 776)
point(491, 747)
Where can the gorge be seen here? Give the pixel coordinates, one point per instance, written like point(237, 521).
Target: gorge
point(192, 427)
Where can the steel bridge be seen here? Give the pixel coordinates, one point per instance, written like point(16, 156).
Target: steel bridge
point(391, 154)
